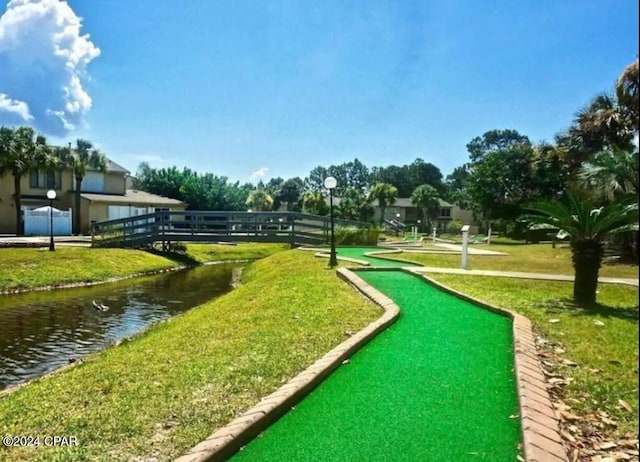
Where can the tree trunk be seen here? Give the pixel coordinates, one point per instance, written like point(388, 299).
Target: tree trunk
point(586, 258)
point(382, 210)
point(76, 212)
point(17, 198)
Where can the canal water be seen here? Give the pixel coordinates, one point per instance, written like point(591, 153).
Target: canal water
point(41, 331)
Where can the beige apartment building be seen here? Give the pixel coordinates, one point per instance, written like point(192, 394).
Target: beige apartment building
point(104, 196)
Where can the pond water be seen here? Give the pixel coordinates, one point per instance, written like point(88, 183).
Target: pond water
point(41, 331)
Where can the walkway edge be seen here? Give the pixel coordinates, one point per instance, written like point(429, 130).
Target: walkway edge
point(540, 425)
point(229, 439)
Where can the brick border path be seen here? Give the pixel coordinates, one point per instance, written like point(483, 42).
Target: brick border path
point(229, 439)
point(540, 425)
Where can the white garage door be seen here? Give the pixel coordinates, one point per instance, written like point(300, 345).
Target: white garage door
point(118, 211)
point(124, 211)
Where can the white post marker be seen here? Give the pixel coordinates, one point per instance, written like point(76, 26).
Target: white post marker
point(465, 245)
point(434, 234)
point(489, 236)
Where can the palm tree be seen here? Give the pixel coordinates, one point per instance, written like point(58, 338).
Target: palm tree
point(81, 159)
point(315, 203)
point(609, 121)
point(627, 92)
point(386, 194)
point(259, 200)
point(612, 173)
point(426, 197)
point(588, 227)
point(20, 152)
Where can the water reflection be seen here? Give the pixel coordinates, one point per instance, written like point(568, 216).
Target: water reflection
point(41, 331)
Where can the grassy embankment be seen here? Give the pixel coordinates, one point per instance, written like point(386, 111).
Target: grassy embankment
point(162, 392)
point(25, 268)
point(534, 258)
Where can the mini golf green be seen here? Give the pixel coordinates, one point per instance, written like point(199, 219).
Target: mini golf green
point(438, 385)
point(358, 253)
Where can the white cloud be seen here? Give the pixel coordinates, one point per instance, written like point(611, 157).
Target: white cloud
point(150, 158)
point(13, 106)
point(43, 58)
point(260, 173)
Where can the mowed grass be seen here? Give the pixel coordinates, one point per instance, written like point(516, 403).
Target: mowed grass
point(164, 391)
point(607, 356)
point(246, 251)
point(25, 268)
point(534, 258)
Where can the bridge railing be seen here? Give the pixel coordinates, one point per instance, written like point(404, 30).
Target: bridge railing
point(189, 225)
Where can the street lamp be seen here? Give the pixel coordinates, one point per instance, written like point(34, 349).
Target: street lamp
point(51, 195)
point(330, 183)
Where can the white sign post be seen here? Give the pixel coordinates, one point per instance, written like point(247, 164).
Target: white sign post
point(433, 237)
point(465, 245)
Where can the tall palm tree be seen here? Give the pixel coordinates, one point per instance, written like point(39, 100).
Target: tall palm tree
point(21, 151)
point(81, 159)
point(627, 92)
point(315, 202)
point(386, 194)
point(426, 197)
point(588, 227)
point(609, 121)
point(259, 200)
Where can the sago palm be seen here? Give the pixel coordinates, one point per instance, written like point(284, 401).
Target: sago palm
point(588, 227)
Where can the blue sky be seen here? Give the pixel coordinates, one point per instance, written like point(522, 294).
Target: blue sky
point(256, 89)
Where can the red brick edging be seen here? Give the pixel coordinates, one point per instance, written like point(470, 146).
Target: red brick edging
point(540, 426)
point(229, 439)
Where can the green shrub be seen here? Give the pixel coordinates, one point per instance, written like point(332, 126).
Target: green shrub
point(454, 227)
point(351, 235)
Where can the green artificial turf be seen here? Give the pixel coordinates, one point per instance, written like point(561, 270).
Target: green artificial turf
point(358, 253)
point(438, 385)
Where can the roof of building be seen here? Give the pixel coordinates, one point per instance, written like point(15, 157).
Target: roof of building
point(132, 196)
point(113, 167)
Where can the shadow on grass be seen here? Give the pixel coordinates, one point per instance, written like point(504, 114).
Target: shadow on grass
point(178, 257)
point(568, 305)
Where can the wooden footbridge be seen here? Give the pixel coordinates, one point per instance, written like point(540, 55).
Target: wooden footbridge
point(198, 226)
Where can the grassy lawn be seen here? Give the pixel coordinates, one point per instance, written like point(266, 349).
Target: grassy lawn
point(162, 392)
point(606, 355)
point(248, 251)
point(534, 258)
point(25, 268)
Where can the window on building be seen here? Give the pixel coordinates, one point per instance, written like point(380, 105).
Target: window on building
point(43, 179)
point(445, 212)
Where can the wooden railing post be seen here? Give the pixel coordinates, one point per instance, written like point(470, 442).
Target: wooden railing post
point(164, 246)
point(293, 230)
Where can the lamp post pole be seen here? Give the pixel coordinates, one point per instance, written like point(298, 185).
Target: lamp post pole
point(330, 183)
point(51, 195)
